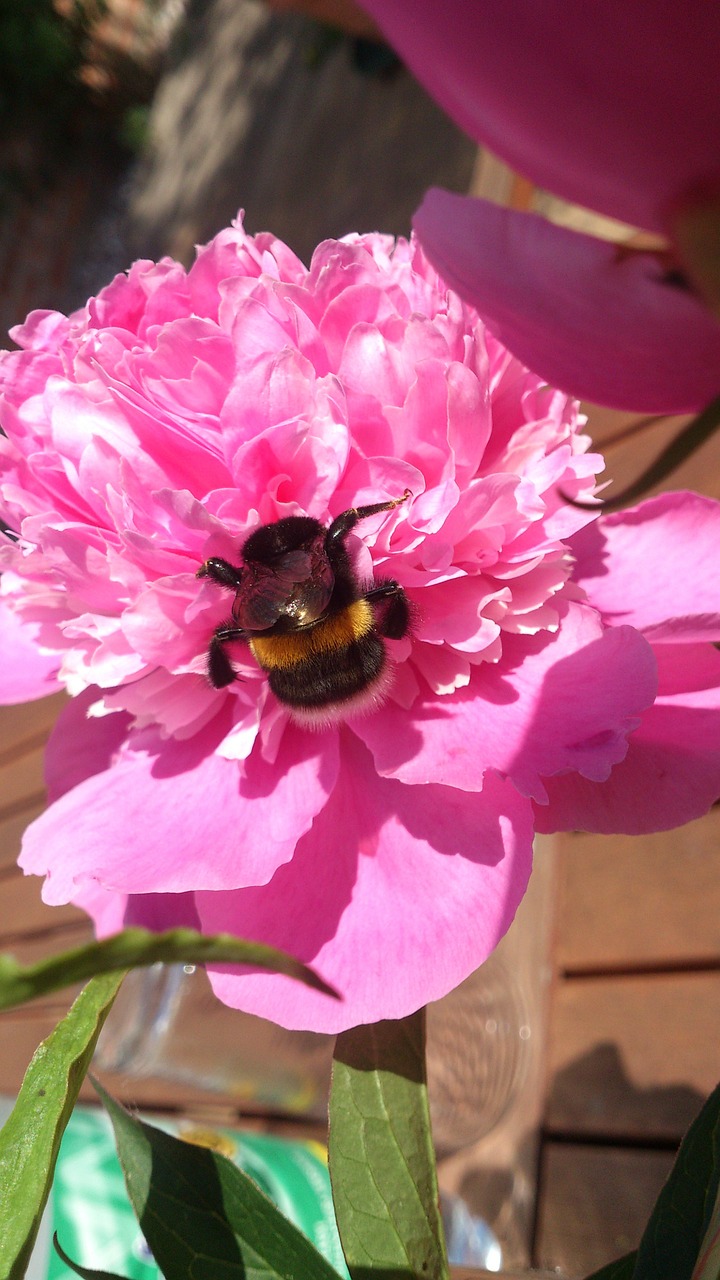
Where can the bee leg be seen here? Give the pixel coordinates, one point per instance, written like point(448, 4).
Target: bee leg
point(219, 668)
point(392, 609)
point(348, 519)
point(221, 571)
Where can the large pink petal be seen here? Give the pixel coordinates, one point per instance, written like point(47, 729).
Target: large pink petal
point(25, 672)
point(171, 816)
point(111, 912)
point(656, 567)
point(554, 703)
point(610, 105)
point(604, 325)
point(81, 745)
point(106, 910)
point(395, 896)
point(671, 773)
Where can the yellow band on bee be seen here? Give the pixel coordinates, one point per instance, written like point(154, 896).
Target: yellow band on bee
point(334, 633)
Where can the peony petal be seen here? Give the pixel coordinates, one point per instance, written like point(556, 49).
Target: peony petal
point(530, 717)
point(609, 105)
point(395, 896)
point(390, 852)
point(111, 912)
point(171, 816)
point(635, 568)
point(26, 672)
point(81, 744)
point(671, 773)
point(605, 325)
point(106, 910)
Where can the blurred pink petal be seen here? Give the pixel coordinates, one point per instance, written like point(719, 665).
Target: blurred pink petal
point(606, 324)
point(26, 673)
point(609, 105)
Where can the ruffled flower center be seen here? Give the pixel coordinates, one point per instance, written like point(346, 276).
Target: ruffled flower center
point(177, 412)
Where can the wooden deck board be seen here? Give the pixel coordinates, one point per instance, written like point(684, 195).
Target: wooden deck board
point(625, 462)
point(22, 783)
point(594, 1204)
point(642, 902)
point(25, 914)
point(26, 725)
point(29, 948)
point(633, 1057)
point(11, 832)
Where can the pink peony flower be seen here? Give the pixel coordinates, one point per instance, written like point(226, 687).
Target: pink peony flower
point(559, 669)
point(611, 106)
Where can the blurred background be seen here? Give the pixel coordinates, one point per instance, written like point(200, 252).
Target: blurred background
point(139, 127)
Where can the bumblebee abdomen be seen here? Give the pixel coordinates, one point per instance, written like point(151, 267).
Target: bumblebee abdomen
point(330, 677)
point(334, 663)
point(331, 636)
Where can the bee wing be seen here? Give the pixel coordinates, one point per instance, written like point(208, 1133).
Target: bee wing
point(298, 586)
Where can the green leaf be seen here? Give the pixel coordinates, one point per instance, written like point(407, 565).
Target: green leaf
point(30, 1138)
point(203, 1218)
point(382, 1163)
point(685, 1207)
point(85, 1272)
point(707, 1266)
point(620, 1269)
point(135, 947)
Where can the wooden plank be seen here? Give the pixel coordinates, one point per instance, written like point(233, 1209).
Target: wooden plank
point(29, 949)
point(22, 782)
point(23, 734)
point(20, 1035)
point(626, 461)
point(595, 1203)
point(676, 877)
point(28, 724)
point(11, 833)
point(24, 913)
point(633, 1057)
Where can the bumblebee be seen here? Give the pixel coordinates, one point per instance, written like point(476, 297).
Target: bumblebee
point(311, 625)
